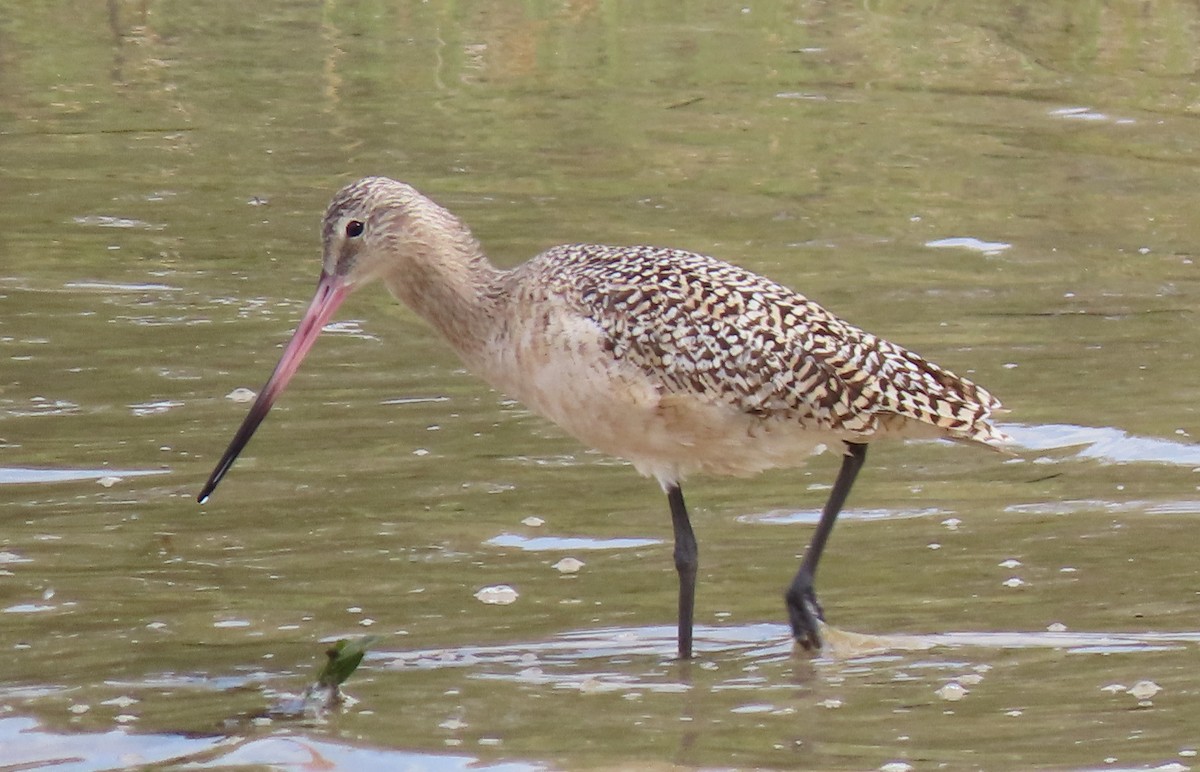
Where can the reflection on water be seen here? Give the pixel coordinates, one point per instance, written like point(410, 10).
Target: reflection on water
point(1088, 114)
point(970, 243)
point(32, 746)
point(1114, 507)
point(567, 543)
point(632, 665)
point(574, 655)
point(106, 477)
point(811, 516)
point(1105, 444)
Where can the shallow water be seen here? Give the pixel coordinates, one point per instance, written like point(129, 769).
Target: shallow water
point(1008, 191)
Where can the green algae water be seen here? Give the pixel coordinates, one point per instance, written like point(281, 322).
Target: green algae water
point(1008, 190)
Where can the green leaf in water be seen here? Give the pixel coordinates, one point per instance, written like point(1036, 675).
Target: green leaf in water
point(343, 659)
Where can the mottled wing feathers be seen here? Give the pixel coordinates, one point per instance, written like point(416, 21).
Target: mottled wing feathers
point(710, 329)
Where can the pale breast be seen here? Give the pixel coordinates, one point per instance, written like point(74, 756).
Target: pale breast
point(561, 366)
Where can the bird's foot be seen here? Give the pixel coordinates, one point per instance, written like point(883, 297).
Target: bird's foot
point(804, 611)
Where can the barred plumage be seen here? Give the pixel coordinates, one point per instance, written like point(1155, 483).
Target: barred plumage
point(702, 326)
point(683, 363)
point(674, 360)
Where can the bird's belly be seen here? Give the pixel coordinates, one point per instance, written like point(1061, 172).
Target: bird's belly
point(616, 408)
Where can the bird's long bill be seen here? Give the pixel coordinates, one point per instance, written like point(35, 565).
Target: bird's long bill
point(331, 291)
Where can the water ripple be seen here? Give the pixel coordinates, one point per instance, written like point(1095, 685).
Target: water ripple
point(551, 543)
point(970, 243)
point(540, 660)
point(1104, 443)
point(15, 474)
point(29, 745)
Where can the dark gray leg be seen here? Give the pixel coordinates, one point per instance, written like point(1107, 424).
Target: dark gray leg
point(803, 608)
point(687, 558)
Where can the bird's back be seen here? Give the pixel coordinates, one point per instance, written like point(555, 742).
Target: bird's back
point(703, 329)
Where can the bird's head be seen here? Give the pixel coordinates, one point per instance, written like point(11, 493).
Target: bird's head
point(372, 227)
point(369, 229)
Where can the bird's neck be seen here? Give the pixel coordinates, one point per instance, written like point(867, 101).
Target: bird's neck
point(451, 284)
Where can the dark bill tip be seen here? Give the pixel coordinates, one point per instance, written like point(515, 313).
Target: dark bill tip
point(255, 417)
point(331, 291)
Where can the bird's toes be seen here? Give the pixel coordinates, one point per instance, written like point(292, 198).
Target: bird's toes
point(809, 639)
point(804, 613)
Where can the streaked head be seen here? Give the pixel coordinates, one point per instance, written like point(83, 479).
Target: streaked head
point(367, 225)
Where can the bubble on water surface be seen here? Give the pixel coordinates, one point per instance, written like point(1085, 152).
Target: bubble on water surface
point(241, 394)
point(1144, 690)
point(1088, 114)
point(351, 327)
point(124, 701)
point(952, 692)
point(453, 724)
point(969, 243)
point(154, 408)
point(568, 565)
point(497, 595)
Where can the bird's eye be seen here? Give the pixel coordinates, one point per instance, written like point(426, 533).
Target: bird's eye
point(354, 229)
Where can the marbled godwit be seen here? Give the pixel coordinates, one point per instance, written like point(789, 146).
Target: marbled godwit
point(676, 361)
